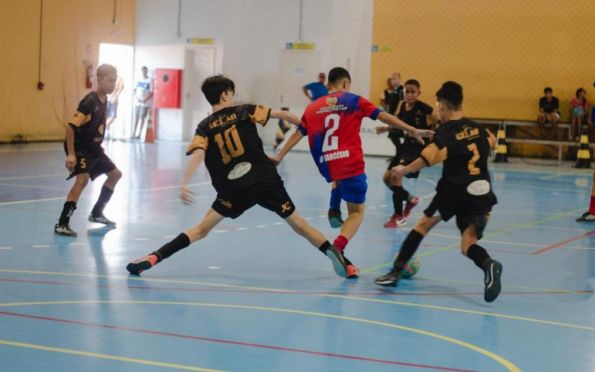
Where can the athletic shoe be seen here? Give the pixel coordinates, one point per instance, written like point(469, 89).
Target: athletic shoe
point(334, 218)
point(411, 203)
point(336, 257)
point(64, 230)
point(351, 269)
point(145, 263)
point(586, 217)
point(492, 281)
point(395, 221)
point(101, 219)
point(390, 279)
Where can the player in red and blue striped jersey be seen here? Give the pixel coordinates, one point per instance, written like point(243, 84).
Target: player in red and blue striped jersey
point(332, 124)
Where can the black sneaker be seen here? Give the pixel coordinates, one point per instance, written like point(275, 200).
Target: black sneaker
point(390, 279)
point(101, 219)
point(64, 230)
point(492, 281)
point(142, 264)
point(586, 217)
point(336, 257)
point(334, 218)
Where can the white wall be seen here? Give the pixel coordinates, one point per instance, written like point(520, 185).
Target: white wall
point(252, 34)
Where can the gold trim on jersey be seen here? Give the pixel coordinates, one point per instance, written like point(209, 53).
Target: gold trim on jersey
point(261, 115)
point(79, 119)
point(198, 142)
point(433, 155)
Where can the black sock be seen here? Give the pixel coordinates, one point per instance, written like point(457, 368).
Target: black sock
point(406, 194)
point(398, 193)
point(67, 211)
point(479, 256)
point(104, 197)
point(180, 242)
point(408, 248)
point(324, 247)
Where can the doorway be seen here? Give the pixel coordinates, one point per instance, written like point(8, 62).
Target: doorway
point(121, 56)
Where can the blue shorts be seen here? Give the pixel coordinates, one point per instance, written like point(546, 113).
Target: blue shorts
point(353, 190)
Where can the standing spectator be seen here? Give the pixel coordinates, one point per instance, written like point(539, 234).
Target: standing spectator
point(143, 93)
point(112, 107)
point(579, 112)
point(316, 89)
point(548, 113)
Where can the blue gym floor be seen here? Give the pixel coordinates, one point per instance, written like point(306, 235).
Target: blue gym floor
point(253, 296)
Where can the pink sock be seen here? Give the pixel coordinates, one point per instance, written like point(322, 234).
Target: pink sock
point(341, 242)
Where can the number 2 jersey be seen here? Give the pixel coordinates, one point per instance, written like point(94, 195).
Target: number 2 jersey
point(234, 155)
point(464, 147)
point(332, 124)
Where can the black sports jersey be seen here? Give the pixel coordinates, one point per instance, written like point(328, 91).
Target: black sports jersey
point(549, 106)
point(416, 117)
point(89, 125)
point(234, 155)
point(464, 147)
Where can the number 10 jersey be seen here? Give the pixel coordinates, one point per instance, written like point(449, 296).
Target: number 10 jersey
point(234, 155)
point(332, 124)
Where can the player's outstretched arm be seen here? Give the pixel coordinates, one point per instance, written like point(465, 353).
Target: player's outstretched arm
point(296, 137)
point(403, 170)
point(395, 122)
point(285, 115)
point(196, 159)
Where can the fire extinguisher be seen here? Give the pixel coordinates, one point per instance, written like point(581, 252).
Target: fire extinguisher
point(89, 75)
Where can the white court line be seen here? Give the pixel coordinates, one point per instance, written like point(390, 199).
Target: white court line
point(308, 218)
point(31, 186)
point(5, 248)
point(140, 239)
point(41, 246)
point(169, 236)
point(241, 228)
point(281, 223)
point(33, 200)
point(76, 244)
point(27, 177)
point(218, 231)
point(261, 226)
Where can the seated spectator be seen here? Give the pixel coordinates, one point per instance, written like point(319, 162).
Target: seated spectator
point(579, 112)
point(548, 113)
point(316, 89)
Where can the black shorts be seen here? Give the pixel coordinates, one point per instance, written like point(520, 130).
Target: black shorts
point(465, 217)
point(93, 164)
point(405, 157)
point(269, 194)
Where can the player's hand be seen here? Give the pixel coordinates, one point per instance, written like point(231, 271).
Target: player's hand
point(399, 171)
point(381, 129)
point(186, 195)
point(70, 163)
point(275, 159)
point(419, 135)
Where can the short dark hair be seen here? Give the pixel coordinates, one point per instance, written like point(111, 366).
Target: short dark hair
point(413, 82)
point(579, 91)
point(214, 86)
point(452, 95)
point(336, 74)
point(548, 89)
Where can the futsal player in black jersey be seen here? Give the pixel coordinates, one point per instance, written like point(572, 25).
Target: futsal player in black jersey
point(85, 157)
point(464, 191)
point(421, 116)
point(241, 173)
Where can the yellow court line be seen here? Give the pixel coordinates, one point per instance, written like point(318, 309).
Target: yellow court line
point(105, 356)
point(346, 297)
point(502, 361)
point(372, 269)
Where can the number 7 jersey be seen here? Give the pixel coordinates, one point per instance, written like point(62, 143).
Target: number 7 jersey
point(332, 124)
point(234, 155)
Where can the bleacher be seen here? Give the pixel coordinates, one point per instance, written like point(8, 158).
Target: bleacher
point(527, 136)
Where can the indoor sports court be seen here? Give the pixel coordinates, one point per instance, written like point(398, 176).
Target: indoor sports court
point(253, 295)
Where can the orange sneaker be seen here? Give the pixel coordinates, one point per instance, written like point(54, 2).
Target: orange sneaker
point(395, 221)
point(145, 263)
point(351, 271)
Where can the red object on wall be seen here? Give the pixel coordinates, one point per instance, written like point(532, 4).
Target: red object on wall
point(167, 92)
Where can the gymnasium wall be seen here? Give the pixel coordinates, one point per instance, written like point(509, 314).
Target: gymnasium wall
point(72, 31)
point(503, 52)
point(253, 34)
